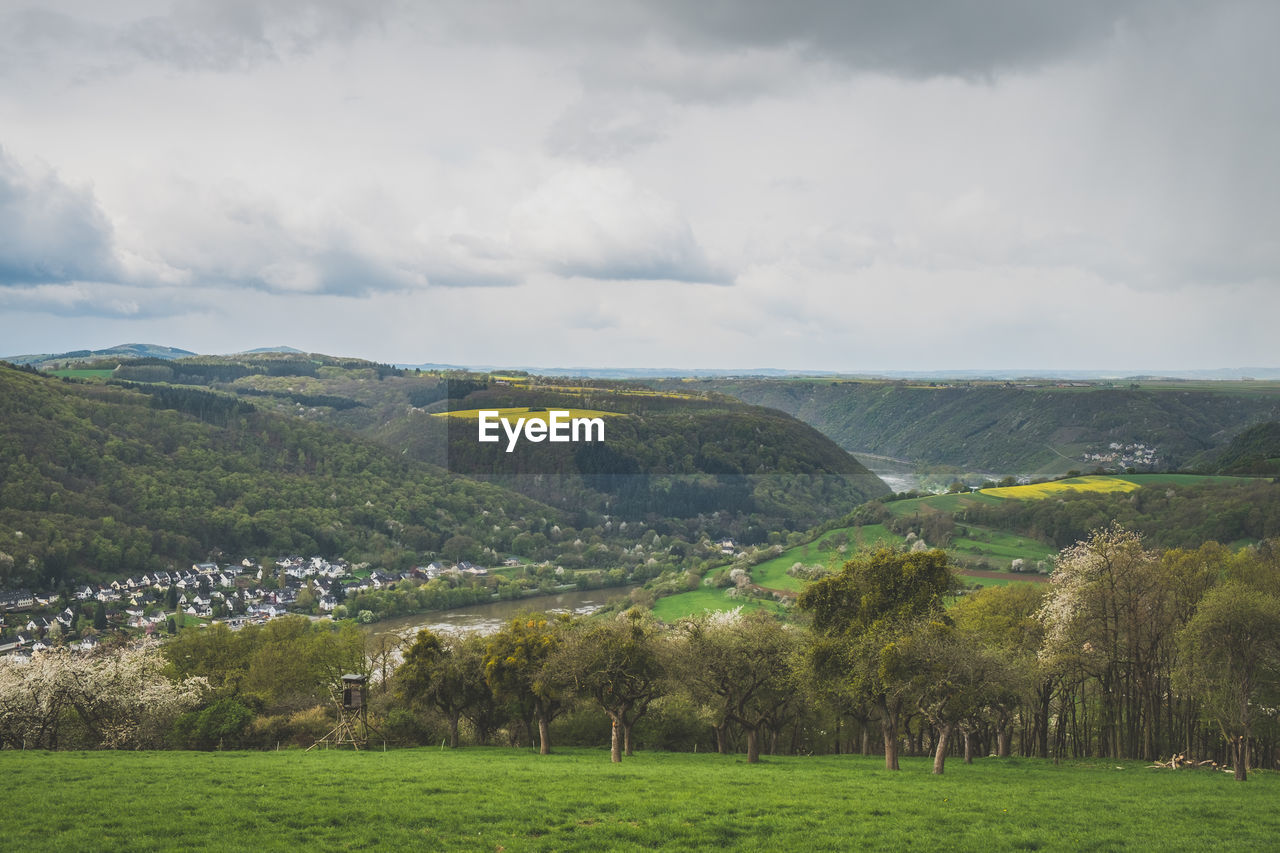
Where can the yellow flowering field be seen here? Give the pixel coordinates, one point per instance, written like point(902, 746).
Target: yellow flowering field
point(524, 412)
point(1037, 491)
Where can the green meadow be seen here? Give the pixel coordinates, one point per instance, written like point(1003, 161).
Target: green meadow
point(708, 599)
point(506, 800)
point(824, 550)
point(998, 547)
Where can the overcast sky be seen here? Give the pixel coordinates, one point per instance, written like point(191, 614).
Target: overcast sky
point(825, 185)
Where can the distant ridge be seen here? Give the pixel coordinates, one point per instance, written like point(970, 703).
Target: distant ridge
point(136, 350)
point(260, 350)
point(118, 351)
point(1223, 373)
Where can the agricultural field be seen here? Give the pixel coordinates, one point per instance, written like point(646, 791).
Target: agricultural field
point(706, 600)
point(998, 548)
point(1054, 488)
point(824, 550)
point(575, 799)
point(938, 503)
point(526, 412)
point(1183, 479)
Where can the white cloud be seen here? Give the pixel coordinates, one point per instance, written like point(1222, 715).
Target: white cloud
point(595, 222)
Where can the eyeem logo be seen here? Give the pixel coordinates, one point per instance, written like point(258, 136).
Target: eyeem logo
point(558, 427)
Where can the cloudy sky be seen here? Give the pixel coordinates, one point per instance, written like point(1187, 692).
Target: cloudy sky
point(820, 184)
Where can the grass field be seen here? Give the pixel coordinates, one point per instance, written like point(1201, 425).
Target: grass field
point(1183, 479)
point(823, 550)
point(698, 601)
point(938, 503)
point(504, 800)
point(998, 547)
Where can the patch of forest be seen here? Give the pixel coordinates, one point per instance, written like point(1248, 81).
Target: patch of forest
point(103, 479)
point(1005, 428)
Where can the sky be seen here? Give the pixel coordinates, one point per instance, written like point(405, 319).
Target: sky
point(846, 186)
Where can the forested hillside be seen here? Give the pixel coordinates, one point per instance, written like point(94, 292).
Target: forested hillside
point(673, 455)
point(1003, 428)
point(102, 479)
point(664, 456)
point(1256, 451)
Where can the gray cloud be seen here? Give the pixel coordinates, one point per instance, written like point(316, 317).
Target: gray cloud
point(918, 38)
point(238, 34)
point(190, 35)
point(49, 231)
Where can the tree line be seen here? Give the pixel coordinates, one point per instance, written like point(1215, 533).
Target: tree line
point(1129, 653)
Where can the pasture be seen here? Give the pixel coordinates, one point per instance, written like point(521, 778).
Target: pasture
point(707, 599)
point(507, 800)
point(824, 550)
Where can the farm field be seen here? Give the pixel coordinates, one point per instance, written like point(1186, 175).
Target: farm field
point(938, 503)
point(499, 799)
point(526, 412)
point(998, 548)
point(698, 601)
point(1038, 491)
point(1183, 479)
point(773, 573)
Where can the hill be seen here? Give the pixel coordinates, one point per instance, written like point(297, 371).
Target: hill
point(1023, 429)
point(1255, 451)
point(103, 479)
point(121, 351)
point(668, 455)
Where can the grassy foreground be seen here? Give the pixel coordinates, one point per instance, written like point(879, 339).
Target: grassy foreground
point(499, 799)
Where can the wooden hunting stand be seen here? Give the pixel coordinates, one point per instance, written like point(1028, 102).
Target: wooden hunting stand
point(353, 728)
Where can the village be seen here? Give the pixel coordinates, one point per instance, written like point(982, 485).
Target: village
point(235, 593)
point(1133, 455)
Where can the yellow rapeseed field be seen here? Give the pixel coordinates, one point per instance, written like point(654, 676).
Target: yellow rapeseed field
point(1036, 491)
point(523, 412)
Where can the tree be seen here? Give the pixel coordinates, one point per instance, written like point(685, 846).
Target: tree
point(1004, 620)
point(1229, 654)
point(435, 672)
point(618, 663)
point(743, 664)
point(860, 614)
point(100, 617)
point(953, 677)
point(122, 699)
point(515, 668)
point(1108, 617)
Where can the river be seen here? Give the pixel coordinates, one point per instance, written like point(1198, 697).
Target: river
point(898, 474)
point(488, 618)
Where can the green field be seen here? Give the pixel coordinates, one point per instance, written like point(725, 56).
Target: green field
point(1184, 479)
point(496, 799)
point(698, 601)
point(824, 550)
point(998, 547)
point(937, 503)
